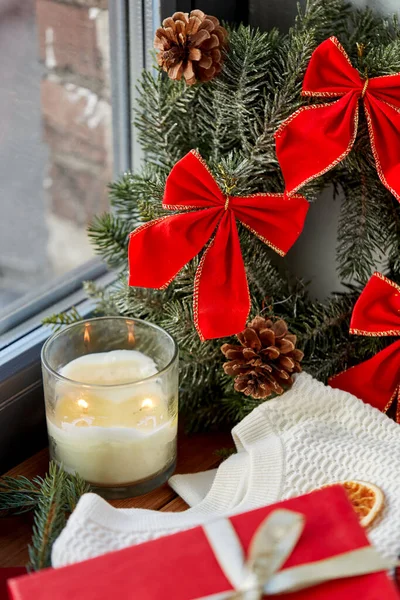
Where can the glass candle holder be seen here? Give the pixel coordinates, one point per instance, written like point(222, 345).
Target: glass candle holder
point(111, 394)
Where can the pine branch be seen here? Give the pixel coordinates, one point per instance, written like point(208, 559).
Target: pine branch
point(105, 304)
point(109, 235)
point(325, 17)
point(373, 31)
point(122, 197)
point(238, 92)
point(49, 520)
point(58, 320)
point(74, 488)
point(390, 210)
point(162, 104)
point(362, 232)
point(18, 494)
point(138, 197)
point(289, 69)
point(57, 496)
point(52, 499)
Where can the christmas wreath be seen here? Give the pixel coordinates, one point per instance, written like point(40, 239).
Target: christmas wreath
point(225, 107)
point(239, 128)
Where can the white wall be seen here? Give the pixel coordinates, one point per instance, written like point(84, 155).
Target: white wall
point(313, 256)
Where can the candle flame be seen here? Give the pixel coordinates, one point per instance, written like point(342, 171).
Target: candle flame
point(82, 403)
point(131, 335)
point(86, 335)
point(147, 403)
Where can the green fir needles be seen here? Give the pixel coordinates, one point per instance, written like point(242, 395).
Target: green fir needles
point(52, 499)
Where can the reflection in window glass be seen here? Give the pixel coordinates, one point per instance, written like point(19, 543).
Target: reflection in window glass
point(55, 137)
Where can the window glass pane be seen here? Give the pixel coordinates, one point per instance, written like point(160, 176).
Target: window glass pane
point(55, 137)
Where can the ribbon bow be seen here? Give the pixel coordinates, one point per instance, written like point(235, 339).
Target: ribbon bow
point(376, 313)
point(272, 544)
point(159, 249)
point(317, 137)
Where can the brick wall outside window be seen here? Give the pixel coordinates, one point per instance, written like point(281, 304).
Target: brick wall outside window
point(55, 137)
point(76, 121)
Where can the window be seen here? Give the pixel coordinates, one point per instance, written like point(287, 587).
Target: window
point(56, 153)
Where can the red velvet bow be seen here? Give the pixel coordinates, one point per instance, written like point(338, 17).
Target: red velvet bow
point(319, 136)
point(159, 249)
point(376, 313)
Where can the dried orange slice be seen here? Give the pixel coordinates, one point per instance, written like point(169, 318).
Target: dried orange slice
point(367, 499)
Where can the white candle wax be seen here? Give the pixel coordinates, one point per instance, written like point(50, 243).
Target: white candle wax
point(112, 436)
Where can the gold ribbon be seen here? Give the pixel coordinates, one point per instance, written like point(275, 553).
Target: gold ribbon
point(366, 82)
point(272, 543)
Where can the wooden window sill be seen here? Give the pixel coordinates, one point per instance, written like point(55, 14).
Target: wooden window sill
point(195, 453)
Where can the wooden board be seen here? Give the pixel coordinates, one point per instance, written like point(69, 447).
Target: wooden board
point(195, 453)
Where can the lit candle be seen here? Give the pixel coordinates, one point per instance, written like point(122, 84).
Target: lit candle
point(112, 436)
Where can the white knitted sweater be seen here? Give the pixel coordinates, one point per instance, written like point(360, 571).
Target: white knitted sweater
point(288, 446)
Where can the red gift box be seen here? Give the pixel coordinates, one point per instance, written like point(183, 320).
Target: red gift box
point(183, 566)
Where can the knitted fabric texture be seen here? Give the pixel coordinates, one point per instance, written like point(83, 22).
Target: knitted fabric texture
point(310, 436)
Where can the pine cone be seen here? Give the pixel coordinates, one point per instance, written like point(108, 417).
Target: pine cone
point(190, 45)
point(265, 360)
